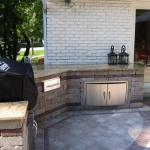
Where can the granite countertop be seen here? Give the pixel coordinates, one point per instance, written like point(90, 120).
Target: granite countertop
point(13, 110)
point(51, 69)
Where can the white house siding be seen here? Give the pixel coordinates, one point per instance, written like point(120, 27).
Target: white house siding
point(85, 32)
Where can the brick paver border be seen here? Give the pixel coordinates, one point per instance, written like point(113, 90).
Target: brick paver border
point(46, 135)
point(144, 137)
point(139, 144)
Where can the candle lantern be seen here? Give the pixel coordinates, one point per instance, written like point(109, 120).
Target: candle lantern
point(112, 57)
point(123, 56)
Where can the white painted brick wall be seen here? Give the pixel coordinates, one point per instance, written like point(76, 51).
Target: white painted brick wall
point(85, 32)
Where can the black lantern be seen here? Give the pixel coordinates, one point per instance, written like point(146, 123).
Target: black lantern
point(123, 56)
point(112, 57)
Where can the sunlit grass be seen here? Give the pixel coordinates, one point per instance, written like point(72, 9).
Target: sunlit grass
point(36, 54)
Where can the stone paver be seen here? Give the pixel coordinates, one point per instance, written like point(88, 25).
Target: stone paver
point(124, 129)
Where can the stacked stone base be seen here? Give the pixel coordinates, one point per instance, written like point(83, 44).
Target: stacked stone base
point(71, 95)
point(14, 139)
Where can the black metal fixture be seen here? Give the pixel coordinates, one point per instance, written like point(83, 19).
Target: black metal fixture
point(68, 1)
point(123, 56)
point(112, 57)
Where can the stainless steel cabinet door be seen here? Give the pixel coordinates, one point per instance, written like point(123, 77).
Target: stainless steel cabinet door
point(116, 94)
point(96, 94)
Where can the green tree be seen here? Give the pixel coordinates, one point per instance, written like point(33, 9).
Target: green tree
point(15, 18)
point(33, 23)
point(9, 18)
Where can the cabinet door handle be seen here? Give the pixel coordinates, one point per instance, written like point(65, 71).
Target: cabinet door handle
point(104, 94)
point(109, 94)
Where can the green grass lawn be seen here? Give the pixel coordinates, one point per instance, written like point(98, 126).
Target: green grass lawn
point(36, 54)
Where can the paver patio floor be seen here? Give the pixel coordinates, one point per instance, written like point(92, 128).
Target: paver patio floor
point(120, 129)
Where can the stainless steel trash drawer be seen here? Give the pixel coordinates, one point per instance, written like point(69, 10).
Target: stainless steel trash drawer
point(106, 94)
point(96, 94)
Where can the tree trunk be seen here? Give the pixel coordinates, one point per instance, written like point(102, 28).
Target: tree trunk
point(32, 47)
point(27, 47)
point(9, 51)
point(1, 51)
point(15, 41)
point(5, 45)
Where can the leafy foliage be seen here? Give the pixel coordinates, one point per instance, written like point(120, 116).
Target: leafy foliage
point(19, 19)
point(32, 20)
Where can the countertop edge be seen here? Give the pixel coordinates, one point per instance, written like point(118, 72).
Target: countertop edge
point(48, 72)
point(12, 110)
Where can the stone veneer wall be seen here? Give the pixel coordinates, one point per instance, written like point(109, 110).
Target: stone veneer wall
point(51, 103)
point(71, 91)
point(14, 139)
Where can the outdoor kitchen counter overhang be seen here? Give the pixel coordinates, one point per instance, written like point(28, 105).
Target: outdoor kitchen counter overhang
point(73, 79)
point(52, 69)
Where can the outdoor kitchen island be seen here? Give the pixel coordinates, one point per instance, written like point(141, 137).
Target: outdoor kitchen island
point(72, 91)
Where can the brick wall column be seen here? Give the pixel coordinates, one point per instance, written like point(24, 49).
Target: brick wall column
point(13, 130)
